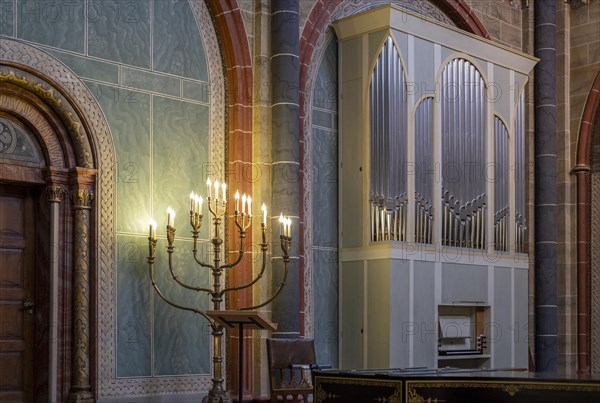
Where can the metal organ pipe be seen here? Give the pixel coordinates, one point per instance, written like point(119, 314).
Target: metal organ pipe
point(463, 133)
point(520, 223)
point(387, 196)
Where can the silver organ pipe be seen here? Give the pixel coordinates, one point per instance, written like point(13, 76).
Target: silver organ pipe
point(520, 184)
point(463, 164)
point(424, 168)
point(501, 169)
point(387, 196)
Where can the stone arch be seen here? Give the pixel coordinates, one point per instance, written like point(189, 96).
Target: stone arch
point(79, 158)
point(588, 186)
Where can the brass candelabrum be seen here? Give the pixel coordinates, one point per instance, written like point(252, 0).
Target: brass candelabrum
point(243, 220)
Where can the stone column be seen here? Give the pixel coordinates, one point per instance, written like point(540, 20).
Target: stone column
point(55, 195)
point(546, 319)
point(81, 390)
point(285, 122)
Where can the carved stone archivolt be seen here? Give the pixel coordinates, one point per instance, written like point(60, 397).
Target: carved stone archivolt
point(46, 80)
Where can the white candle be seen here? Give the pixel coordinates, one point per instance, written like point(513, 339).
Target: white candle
point(170, 217)
point(264, 211)
point(281, 222)
point(237, 201)
point(216, 190)
point(244, 203)
point(152, 234)
point(224, 187)
point(208, 187)
point(249, 199)
point(199, 201)
point(289, 227)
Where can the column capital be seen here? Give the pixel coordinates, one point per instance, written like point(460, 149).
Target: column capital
point(54, 193)
point(82, 198)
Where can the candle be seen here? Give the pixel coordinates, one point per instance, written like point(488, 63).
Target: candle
point(199, 201)
point(244, 203)
point(249, 199)
point(224, 187)
point(264, 211)
point(170, 217)
point(192, 202)
point(216, 190)
point(237, 201)
point(152, 234)
point(208, 187)
point(289, 227)
point(281, 221)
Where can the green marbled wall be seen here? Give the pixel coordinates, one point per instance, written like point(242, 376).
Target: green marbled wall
point(144, 61)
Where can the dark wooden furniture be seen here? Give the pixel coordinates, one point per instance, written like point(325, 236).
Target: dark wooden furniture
point(290, 362)
point(452, 386)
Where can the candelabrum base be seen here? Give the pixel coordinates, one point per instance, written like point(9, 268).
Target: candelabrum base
point(221, 396)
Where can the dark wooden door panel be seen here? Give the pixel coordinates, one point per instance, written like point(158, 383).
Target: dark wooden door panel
point(17, 260)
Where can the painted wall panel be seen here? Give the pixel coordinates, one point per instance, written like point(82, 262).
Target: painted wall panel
point(501, 328)
point(464, 283)
point(352, 320)
point(423, 326)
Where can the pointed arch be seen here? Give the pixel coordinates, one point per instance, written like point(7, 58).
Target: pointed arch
point(387, 147)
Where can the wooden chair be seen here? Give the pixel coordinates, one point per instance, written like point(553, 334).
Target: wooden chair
point(290, 361)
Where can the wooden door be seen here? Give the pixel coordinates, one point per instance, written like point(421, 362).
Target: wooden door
point(17, 260)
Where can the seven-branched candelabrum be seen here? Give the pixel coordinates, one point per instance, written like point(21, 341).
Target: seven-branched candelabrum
point(243, 220)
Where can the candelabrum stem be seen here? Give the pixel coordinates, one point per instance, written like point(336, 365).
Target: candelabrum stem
point(242, 221)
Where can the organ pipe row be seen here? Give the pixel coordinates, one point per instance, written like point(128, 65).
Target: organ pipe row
point(520, 223)
point(462, 100)
point(425, 171)
point(387, 197)
point(500, 172)
point(463, 109)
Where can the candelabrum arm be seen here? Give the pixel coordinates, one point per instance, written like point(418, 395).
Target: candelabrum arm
point(249, 308)
point(181, 283)
point(195, 252)
point(164, 298)
point(240, 254)
point(258, 277)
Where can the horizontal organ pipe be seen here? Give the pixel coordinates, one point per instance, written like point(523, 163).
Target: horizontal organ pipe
point(387, 196)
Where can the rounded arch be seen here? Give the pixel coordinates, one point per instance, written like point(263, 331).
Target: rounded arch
point(80, 160)
point(582, 170)
point(464, 56)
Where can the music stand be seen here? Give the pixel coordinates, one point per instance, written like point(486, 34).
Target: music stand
point(252, 320)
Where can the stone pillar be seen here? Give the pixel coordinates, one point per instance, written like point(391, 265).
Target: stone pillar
point(285, 151)
point(546, 319)
point(81, 390)
point(55, 195)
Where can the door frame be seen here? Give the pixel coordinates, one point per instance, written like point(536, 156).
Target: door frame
point(73, 136)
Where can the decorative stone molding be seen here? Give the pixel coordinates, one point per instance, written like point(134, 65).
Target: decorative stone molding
point(55, 193)
point(82, 199)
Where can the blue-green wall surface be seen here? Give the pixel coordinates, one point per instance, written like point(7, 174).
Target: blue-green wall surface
point(324, 151)
point(144, 62)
